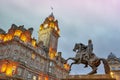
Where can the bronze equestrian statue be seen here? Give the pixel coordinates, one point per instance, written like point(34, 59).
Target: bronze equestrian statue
point(84, 55)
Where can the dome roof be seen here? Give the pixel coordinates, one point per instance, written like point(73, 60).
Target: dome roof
point(111, 56)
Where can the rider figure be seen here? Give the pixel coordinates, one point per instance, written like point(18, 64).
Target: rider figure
point(90, 47)
point(89, 50)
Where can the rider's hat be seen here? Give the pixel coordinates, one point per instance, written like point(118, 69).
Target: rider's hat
point(89, 40)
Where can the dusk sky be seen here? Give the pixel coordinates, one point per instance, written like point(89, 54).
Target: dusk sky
point(79, 20)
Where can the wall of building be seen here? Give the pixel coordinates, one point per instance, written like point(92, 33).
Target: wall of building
point(33, 63)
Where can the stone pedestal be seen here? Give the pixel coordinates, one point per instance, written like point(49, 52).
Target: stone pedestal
point(89, 77)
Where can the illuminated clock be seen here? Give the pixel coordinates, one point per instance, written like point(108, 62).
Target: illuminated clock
point(45, 25)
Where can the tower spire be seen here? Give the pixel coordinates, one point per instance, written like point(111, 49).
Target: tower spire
point(49, 33)
point(51, 9)
point(51, 5)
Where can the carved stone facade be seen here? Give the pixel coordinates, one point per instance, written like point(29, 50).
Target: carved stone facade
point(23, 58)
point(114, 63)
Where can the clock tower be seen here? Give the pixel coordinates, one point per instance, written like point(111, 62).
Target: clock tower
point(49, 33)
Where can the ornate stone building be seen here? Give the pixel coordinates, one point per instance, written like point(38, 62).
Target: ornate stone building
point(114, 63)
point(24, 58)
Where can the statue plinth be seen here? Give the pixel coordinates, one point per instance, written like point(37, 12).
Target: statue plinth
point(89, 77)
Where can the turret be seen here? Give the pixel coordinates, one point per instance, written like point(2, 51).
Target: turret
point(49, 34)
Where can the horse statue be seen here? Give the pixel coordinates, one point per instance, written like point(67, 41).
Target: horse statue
point(83, 57)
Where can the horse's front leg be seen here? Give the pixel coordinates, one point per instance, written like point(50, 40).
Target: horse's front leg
point(71, 65)
point(69, 59)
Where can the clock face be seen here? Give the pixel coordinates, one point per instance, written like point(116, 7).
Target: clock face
point(45, 25)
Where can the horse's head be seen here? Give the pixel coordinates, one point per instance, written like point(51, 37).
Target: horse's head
point(76, 47)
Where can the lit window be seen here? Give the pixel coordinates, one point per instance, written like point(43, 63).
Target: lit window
point(33, 56)
point(1, 37)
point(46, 78)
point(18, 33)
point(3, 67)
point(112, 74)
point(8, 37)
point(33, 42)
point(40, 77)
point(34, 78)
point(45, 25)
point(56, 28)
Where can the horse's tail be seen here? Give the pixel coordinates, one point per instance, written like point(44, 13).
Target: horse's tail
point(106, 66)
